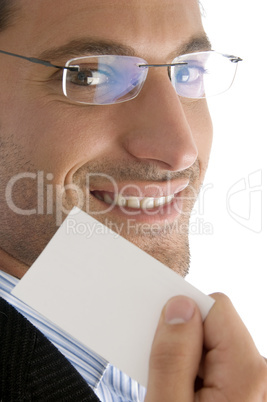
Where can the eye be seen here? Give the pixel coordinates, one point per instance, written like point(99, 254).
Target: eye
point(188, 79)
point(188, 74)
point(88, 77)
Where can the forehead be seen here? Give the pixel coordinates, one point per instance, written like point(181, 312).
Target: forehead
point(148, 26)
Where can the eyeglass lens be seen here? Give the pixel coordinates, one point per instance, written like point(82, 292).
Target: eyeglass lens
point(103, 80)
point(206, 74)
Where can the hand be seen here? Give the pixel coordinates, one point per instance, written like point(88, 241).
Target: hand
point(221, 352)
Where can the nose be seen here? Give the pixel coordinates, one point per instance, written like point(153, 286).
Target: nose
point(160, 131)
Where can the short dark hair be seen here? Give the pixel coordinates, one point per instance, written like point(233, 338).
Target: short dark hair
point(7, 11)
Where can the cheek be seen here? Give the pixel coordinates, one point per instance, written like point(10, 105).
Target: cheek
point(59, 137)
point(201, 126)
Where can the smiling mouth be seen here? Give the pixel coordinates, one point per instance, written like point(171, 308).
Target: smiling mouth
point(132, 201)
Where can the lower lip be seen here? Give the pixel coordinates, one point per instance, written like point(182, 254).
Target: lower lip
point(162, 213)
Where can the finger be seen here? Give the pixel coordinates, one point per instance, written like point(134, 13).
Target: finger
point(176, 352)
point(225, 330)
point(233, 365)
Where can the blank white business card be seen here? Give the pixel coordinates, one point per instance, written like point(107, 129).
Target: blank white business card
point(103, 291)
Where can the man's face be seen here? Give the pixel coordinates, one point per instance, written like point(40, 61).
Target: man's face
point(71, 154)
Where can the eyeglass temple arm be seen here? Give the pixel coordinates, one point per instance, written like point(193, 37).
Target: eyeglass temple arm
point(163, 65)
point(233, 59)
point(39, 61)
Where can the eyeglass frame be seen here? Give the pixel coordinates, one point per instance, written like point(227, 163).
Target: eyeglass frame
point(232, 58)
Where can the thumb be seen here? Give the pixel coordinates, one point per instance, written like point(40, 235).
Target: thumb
point(176, 352)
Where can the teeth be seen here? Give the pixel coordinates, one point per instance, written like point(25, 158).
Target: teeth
point(98, 196)
point(148, 203)
point(108, 199)
point(135, 202)
point(159, 201)
point(169, 198)
point(121, 201)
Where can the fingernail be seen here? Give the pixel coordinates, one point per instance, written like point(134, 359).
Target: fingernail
point(179, 310)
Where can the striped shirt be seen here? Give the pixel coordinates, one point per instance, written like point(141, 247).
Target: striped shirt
point(109, 383)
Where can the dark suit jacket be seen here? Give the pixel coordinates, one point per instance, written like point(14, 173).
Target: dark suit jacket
point(31, 367)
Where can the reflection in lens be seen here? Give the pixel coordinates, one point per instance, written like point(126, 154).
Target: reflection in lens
point(114, 79)
point(206, 74)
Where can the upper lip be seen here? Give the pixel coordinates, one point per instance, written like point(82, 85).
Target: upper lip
point(141, 189)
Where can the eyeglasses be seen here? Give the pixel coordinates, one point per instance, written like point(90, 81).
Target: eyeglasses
point(109, 79)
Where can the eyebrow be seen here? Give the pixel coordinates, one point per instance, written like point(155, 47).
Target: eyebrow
point(195, 44)
point(85, 46)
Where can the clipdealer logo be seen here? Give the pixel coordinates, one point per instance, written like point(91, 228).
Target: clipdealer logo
point(48, 199)
point(244, 202)
point(50, 196)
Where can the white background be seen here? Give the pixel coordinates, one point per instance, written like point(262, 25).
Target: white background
point(233, 258)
